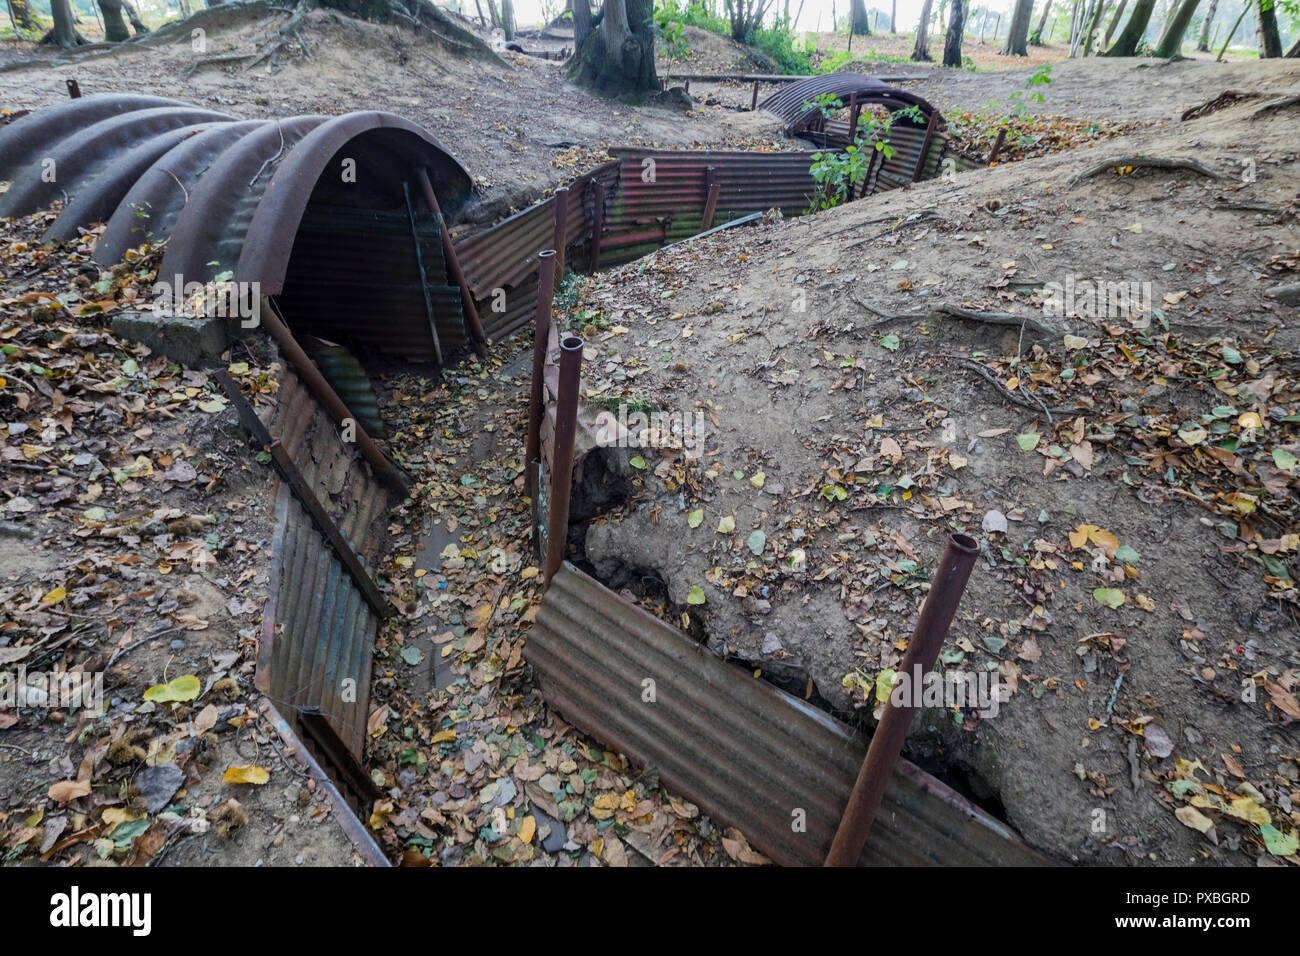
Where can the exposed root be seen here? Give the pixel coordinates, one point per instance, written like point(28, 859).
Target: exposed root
point(1146, 162)
point(1280, 103)
point(1037, 405)
point(992, 318)
point(1224, 99)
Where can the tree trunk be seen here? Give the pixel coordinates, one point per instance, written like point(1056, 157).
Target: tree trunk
point(1203, 41)
point(64, 32)
point(494, 14)
point(1131, 35)
point(581, 21)
point(24, 21)
point(115, 30)
point(1036, 38)
point(919, 51)
point(1094, 24)
point(952, 42)
point(1114, 22)
point(859, 22)
point(1294, 52)
point(1171, 37)
point(893, 17)
point(618, 57)
point(508, 18)
point(1270, 41)
point(1018, 33)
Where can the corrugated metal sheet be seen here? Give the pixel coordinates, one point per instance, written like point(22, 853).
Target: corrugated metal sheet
point(750, 755)
point(353, 278)
point(321, 630)
point(348, 378)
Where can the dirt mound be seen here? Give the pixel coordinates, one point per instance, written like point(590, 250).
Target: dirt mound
point(710, 53)
point(1131, 474)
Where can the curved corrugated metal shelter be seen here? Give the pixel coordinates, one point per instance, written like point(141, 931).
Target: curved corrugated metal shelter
point(234, 198)
point(788, 104)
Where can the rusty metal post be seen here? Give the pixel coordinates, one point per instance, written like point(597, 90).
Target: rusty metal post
point(453, 266)
point(74, 88)
point(753, 101)
point(932, 625)
point(855, 112)
point(925, 146)
point(561, 229)
point(997, 146)
point(566, 428)
point(711, 191)
point(387, 472)
point(537, 396)
point(597, 224)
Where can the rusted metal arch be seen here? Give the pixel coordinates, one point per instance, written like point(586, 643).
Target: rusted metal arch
point(57, 170)
point(787, 104)
point(269, 242)
point(97, 198)
point(154, 200)
point(210, 231)
point(39, 130)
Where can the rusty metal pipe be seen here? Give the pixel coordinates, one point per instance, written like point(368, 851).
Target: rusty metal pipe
point(931, 628)
point(338, 410)
point(566, 428)
point(537, 396)
point(453, 266)
point(561, 229)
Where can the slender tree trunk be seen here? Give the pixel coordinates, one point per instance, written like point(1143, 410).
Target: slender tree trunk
point(919, 49)
point(24, 21)
point(956, 26)
point(984, 22)
point(137, 25)
point(1131, 35)
point(1036, 38)
point(893, 17)
point(1233, 32)
point(1018, 33)
point(1266, 32)
point(494, 14)
point(1114, 22)
point(1203, 42)
point(508, 18)
point(1094, 24)
point(1171, 37)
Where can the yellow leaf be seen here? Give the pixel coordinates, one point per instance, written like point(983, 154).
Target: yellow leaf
point(726, 524)
point(54, 596)
point(1191, 817)
point(185, 687)
point(1244, 808)
point(1079, 536)
point(758, 479)
point(443, 736)
point(115, 816)
point(249, 774)
point(527, 828)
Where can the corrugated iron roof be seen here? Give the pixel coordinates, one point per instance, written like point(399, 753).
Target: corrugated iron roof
point(787, 104)
point(753, 757)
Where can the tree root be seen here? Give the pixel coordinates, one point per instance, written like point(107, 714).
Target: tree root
point(1146, 162)
point(1280, 103)
point(1038, 406)
point(992, 318)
